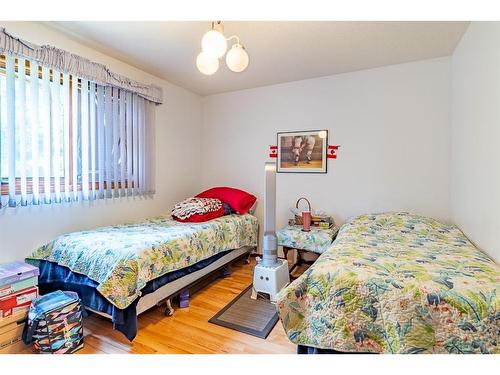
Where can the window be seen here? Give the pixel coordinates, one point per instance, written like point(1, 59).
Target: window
point(65, 138)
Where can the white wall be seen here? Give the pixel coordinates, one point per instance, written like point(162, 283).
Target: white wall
point(392, 124)
point(475, 136)
point(178, 123)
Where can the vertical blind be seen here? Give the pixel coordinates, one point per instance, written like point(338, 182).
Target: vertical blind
point(65, 138)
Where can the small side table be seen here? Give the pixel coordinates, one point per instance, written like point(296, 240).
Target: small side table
point(317, 241)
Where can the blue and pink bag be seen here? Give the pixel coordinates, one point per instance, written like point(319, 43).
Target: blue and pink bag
point(55, 323)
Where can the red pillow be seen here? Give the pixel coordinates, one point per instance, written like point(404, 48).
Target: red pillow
point(199, 218)
point(239, 200)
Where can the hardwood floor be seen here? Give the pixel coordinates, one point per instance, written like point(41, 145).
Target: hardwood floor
point(188, 330)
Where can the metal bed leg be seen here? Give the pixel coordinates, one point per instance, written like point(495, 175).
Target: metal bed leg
point(169, 310)
point(247, 258)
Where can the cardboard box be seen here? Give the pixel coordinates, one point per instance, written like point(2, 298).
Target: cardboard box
point(17, 302)
point(17, 286)
point(11, 332)
point(17, 347)
point(17, 318)
point(16, 271)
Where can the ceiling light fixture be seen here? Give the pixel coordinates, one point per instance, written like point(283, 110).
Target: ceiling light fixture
point(237, 58)
point(214, 46)
point(207, 63)
point(214, 40)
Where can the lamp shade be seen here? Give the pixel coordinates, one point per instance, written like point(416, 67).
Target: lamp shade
point(237, 58)
point(207, 63)
point(214, 42)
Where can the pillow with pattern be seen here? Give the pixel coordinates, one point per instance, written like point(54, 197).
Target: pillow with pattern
point(198, 210)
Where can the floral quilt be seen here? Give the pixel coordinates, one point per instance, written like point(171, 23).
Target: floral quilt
point(316, 240)
point(396, 283)
point(123, 258)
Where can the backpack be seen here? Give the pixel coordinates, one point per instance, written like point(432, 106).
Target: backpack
point(54, 323)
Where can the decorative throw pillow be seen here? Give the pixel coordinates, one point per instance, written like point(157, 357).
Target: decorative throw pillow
point(239, 200)
point(197, 210)
point(200, 218)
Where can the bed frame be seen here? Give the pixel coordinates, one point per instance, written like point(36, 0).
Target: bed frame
point(190, 283)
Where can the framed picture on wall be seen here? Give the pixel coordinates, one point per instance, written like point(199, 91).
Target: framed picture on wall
point(302, 151)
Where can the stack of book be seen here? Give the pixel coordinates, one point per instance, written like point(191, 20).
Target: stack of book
point(18, 287)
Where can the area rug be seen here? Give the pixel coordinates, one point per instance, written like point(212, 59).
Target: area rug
point(243, 314)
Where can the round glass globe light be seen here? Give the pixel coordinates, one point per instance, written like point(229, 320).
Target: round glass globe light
point(213, 41)
point(237, 59)
point(207, 63)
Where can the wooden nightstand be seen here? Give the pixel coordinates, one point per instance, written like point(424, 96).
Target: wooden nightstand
point(317, 241)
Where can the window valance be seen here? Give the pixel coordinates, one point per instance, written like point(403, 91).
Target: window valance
point(70, 63)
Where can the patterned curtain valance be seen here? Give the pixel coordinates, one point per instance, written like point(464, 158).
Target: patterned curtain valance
point(70, 63)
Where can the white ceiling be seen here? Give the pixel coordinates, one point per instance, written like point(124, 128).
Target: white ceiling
point(279, 51)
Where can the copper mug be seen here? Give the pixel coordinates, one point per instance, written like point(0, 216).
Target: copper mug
point(306, 221)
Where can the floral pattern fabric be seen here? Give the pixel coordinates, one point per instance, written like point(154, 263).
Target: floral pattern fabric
point(123, 258)
point(396, 283)
point(317, 240)
point(192, 206)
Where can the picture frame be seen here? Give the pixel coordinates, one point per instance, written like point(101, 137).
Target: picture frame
point(302, 151)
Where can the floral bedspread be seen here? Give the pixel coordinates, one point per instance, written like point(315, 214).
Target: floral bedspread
point(316, 240)
point(396, 283)
point(123, 258)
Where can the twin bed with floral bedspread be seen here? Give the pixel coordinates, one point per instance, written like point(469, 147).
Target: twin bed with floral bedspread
point(396, 283)
point(112, 267)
